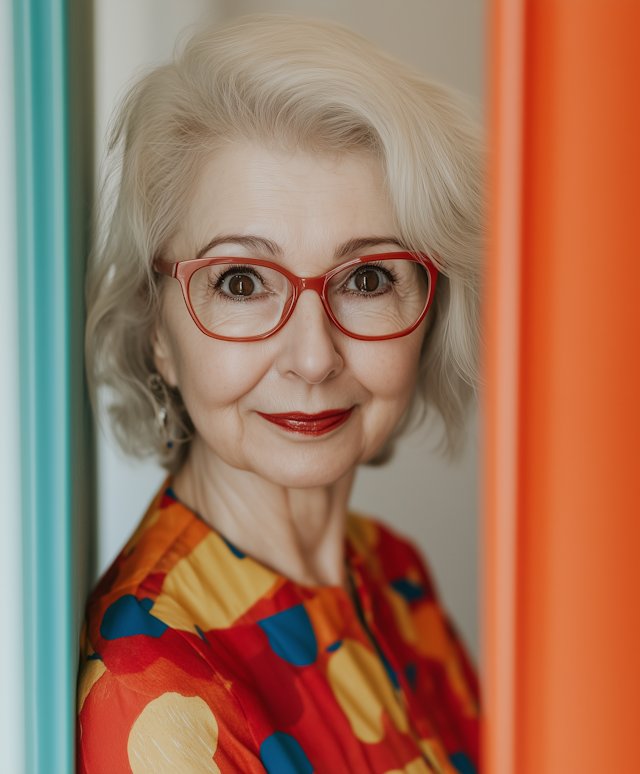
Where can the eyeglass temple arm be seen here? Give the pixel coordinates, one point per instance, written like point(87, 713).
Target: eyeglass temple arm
point(165, 267)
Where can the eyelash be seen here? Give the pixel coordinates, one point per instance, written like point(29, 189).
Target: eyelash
point(235, 270)
point(390, 275)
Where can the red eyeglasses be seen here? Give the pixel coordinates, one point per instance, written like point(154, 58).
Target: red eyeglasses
point(372, 298)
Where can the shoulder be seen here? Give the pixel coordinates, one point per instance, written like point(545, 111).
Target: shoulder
point(400, 575)
point(119, 607)
point(144, 684)
point(123, 638)
point(409, 610)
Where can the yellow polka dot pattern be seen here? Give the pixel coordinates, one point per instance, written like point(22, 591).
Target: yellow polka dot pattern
point(415, 767)
point(364, 691)
point(174, 734)
point(193, 596)
point(91, 672)
point(198, 659)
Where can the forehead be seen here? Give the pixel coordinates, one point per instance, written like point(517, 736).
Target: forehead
point(297, 200)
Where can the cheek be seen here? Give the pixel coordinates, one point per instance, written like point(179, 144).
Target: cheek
point(388, 369)
point(214, 374)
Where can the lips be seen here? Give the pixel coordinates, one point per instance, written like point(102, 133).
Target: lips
point(310, 424)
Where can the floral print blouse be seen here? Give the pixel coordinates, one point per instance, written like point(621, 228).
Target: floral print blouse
point(196, 659)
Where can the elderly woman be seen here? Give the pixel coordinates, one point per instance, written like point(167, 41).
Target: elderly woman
point(288, 278)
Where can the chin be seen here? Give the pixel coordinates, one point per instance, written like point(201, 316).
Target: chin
point(303, 470)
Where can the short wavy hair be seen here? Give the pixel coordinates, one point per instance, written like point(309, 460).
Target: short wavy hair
point(289, 84)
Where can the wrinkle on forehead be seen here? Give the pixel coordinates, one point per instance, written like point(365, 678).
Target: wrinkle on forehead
point(276, 205)
point(259, 245)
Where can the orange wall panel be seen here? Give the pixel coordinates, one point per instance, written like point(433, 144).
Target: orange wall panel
point(572, 551)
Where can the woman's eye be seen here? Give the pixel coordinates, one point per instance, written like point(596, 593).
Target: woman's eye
point(368, 280)
point(241, 285)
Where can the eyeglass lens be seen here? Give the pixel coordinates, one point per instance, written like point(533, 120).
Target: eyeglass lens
point(380, 298)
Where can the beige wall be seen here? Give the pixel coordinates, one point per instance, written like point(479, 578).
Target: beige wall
point(418, 493)
point(442, 38)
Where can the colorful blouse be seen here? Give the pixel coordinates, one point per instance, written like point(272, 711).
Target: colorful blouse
point(196, 659)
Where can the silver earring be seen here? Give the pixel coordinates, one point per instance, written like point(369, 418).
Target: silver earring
point(160, 399)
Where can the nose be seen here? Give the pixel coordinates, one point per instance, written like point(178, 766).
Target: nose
point(308, 346)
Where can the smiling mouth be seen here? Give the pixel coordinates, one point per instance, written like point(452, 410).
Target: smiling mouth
point(310, 424)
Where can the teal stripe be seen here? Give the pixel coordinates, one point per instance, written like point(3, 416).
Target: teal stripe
point(53, 420)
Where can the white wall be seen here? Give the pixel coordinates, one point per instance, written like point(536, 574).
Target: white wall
point(418, 493)
point(11, 621)
point(130, 36)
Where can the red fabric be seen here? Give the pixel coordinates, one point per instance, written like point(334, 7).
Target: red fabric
point(196, 658)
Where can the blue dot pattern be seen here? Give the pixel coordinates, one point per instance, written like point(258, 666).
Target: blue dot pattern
point(291, 636)
point(389, 669)
point(235, 551)
point(127, 617)
point(320, 682)
point(411, 673)
point(282, 754)
point(411, 591)
point(462, 763)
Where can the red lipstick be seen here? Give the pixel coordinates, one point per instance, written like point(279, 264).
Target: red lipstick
point(310, 424)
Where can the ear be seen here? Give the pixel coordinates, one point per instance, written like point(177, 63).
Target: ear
point(163, 356)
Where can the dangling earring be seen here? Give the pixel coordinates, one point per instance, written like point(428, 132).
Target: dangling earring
point(160, 399)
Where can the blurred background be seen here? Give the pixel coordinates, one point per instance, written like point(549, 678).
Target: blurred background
point(418, 493)
point(561, 494)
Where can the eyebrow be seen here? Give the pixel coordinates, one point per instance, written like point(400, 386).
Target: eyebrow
point(260, 244)
point(363, 242)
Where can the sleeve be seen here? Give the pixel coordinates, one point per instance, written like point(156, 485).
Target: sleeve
point(160, 719)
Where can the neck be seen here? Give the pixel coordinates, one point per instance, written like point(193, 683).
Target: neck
point(298, 533)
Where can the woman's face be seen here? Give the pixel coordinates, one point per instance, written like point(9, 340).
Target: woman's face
point(308, 215)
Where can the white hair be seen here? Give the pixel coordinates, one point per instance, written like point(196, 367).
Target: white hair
point(285, 83)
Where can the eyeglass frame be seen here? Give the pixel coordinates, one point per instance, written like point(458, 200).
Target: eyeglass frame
point(184, 270)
